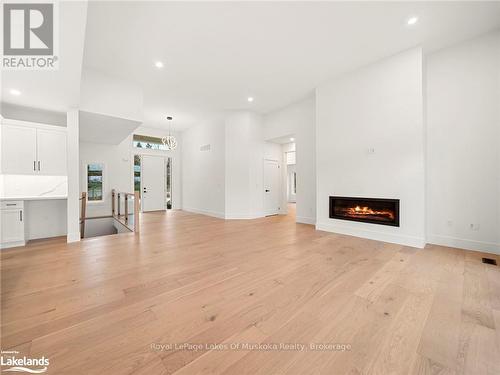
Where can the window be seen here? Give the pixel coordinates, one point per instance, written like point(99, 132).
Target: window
point(94, 182)
point(151, 143)
point(137, 173)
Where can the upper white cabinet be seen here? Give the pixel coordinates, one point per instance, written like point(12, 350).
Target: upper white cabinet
point(51, 146)
point(18, 150)
point(29, 148)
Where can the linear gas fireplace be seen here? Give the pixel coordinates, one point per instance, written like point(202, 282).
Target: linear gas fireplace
point(367, 210)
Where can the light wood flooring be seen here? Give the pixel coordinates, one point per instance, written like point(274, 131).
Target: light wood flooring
point(96, 307)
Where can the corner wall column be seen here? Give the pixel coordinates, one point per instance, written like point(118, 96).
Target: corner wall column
point(73, 176)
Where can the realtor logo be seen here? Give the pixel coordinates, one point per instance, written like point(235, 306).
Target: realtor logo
point(10, 361)
point(28, 36)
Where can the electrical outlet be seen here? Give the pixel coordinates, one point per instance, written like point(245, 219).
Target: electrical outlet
point(474, 226)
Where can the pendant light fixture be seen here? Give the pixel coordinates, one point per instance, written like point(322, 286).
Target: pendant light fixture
point(169, 141)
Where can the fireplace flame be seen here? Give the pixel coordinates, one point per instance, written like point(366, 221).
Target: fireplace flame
point(368, 211)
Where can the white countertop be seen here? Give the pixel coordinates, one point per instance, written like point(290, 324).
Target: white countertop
point(33, 198)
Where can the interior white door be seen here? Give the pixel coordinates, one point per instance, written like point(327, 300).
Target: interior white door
point(272, 188)
point(153, 183)
point(51, 152)
point(18, 150)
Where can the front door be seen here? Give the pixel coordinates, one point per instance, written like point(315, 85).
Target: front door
point(153, 183)
point(272, 192)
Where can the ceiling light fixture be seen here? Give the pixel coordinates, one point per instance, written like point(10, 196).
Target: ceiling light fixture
point(412, 21)
point(15, 92)
point(159, 64)
point(250, 99)
point(169, 141)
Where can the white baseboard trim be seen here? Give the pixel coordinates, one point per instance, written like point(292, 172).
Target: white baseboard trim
point(73, 237)
point(373, 235)
point(221, 215)
point(244, 216)
point(305, 220)
point(216, 214)
point(461, 243)
point(7, 245)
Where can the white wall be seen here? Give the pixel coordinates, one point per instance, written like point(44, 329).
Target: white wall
point(299, 120)
point(118, 161)
point(463, 160)
point(45, 218)
point(203, 174)
point(117, 172)
point(381, 107)
point(245, 150)
point(226, 181)
point(107, 95)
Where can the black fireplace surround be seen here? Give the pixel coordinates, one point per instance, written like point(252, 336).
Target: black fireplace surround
point(367, 210)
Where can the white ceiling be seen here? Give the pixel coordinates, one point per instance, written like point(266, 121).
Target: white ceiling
point(290, 138)
point(54, 90)
point(218, 54)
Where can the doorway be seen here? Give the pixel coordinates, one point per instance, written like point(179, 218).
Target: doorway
point(291, 181)
point(153, 179)
point(272, 191)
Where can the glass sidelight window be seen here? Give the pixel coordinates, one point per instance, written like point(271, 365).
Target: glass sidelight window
point(137, 173)
point(168, 183)
point(95, 182)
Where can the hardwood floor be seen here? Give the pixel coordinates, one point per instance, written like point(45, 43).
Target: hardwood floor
point(107, 304)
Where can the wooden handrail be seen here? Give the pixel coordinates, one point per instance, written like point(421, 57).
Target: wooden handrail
point(137, 197)
point(115, 210)
point(113, 202)
point(83, 212)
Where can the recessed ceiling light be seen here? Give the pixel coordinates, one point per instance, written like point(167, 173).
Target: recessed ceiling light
point(412, 20)
point(15, 92)
point(159, 64)
point(292, 139)
point(250, 99)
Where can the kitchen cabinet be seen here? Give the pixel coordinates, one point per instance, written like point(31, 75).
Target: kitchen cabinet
point(30, 148)
point(18, 150)
point(12, 224)
point(51, 151)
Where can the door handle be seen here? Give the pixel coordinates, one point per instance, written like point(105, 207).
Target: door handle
point(267, 190)
point(20, 215)
point(39, 165)
point(34, 165)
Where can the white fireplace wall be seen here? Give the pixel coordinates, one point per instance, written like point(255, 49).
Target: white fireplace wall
point(370, 143)
point(463, 133)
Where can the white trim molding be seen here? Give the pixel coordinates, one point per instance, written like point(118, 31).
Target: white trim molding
point(305, 220)
point(461, 243)
point(73, 237)
point(373, 235)
point(219, 215)
point(245, 216)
